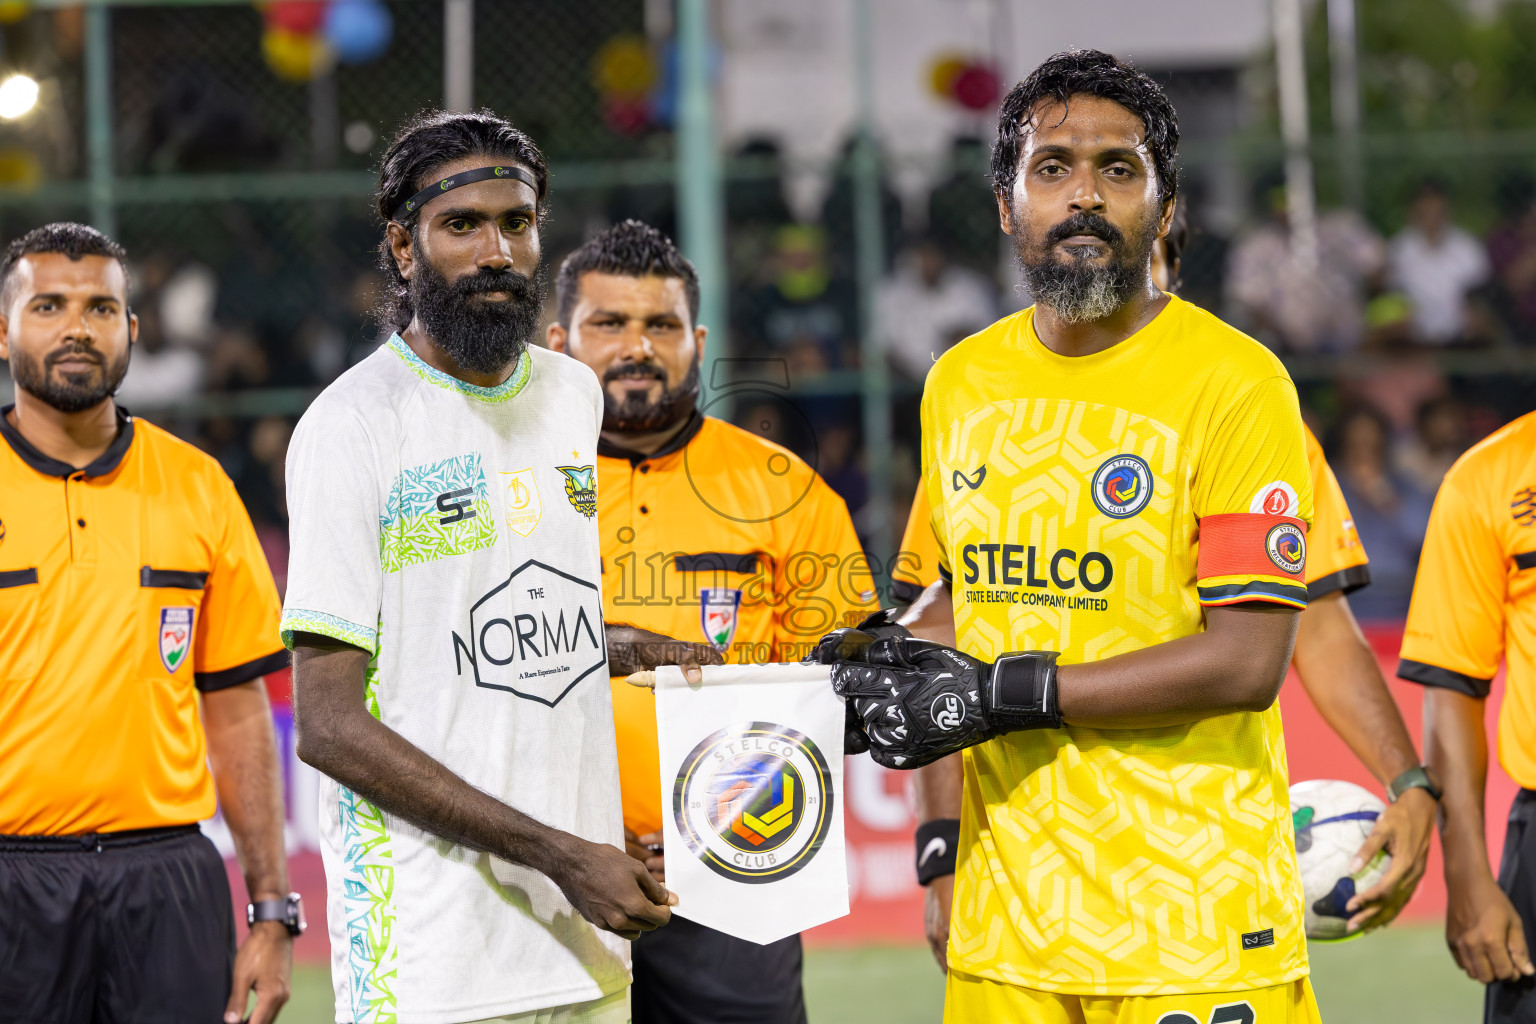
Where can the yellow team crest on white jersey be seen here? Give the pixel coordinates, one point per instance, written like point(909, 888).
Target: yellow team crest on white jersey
point(524, 510)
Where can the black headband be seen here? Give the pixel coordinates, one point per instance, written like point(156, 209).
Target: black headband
point(465, 178)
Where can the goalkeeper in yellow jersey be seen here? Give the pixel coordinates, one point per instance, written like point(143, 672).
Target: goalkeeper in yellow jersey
point(1121, 498)
point(1332, 658)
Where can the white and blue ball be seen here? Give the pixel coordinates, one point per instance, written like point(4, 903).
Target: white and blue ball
point(1332, 820)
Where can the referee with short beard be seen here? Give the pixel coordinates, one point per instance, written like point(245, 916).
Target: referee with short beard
point(709, 533)
point(137, 617)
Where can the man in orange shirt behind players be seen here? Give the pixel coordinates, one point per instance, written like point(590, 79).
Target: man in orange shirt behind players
point(708, 531)
point(1474, 605)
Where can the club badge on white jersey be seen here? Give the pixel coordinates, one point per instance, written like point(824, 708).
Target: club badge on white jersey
point(524, 510)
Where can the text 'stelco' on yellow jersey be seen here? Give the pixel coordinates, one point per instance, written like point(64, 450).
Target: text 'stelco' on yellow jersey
point(1095, 506)
point(1474, 599)
point(126, 588)
point(1336, 560)
point(721, 538)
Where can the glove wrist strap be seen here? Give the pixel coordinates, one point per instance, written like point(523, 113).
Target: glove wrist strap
point(1021, 693)
point(937, 842)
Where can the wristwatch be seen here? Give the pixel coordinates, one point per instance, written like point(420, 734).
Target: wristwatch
point(1414, 778)
point(289, 911)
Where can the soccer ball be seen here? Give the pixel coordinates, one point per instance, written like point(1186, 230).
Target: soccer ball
point(1332, 820)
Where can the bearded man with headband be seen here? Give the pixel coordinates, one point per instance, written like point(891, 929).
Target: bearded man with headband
point(444, 608)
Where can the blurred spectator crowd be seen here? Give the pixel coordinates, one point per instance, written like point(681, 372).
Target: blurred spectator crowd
point(1373, 310)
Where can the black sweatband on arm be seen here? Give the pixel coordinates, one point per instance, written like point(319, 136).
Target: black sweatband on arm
point(463, 178)
point(937, 842)
point(1021, 693)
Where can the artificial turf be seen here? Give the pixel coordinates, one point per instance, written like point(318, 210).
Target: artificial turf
point(1402, 975)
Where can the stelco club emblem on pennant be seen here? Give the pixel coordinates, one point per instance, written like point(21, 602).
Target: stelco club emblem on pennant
point(719, 611)
point(754, 801)
point(175, 637)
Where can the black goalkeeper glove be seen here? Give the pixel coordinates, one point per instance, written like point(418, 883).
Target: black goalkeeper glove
point(917, 701)
point(849, 644)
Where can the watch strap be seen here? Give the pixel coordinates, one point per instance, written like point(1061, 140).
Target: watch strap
point(1417, 777)
point(288, 912)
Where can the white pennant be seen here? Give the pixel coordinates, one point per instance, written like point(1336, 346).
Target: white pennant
point(752, 797)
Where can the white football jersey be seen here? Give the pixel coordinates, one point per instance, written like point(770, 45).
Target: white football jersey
point(450, 529)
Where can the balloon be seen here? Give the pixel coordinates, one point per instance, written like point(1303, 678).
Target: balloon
point(301, 17)
point(295, 57)
point(358, 30)
point(944, 72)
point(626, 116)
point(624, 68)
point(977, 87)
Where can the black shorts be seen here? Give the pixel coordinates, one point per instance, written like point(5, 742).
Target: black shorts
point(686, 973)
point(125, 926)
point(1514, 1002)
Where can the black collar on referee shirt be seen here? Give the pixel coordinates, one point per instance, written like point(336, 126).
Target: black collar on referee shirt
point(103, 464)
point(688, 433)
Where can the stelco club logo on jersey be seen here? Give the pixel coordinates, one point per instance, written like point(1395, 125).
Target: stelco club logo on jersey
point(754, 801)
point(1122, 487)
point(536, 634)
point(1287, 547)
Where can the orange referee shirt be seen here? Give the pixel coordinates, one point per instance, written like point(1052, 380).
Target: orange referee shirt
point(1474, 600)
point(125, 588)
point(721, 537)
point(1335, 559)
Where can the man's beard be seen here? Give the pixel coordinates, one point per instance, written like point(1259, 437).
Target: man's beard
point(636, 414)
point(1078, 290)
point(69, 391)
point(478, 335)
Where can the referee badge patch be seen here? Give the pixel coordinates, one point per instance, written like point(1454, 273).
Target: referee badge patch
point(718, 608)
point(175, 637)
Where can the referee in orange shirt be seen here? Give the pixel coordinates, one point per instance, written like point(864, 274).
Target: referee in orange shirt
point(708, 531)
point(1474, 605)
point(137, 616)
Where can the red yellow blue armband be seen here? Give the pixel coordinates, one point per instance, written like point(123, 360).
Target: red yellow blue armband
point(1251, 556)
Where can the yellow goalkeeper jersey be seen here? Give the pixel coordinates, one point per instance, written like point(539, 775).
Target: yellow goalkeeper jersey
point(1095, 506)
point(1336, 561)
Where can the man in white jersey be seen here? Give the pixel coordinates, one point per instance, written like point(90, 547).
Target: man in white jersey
point(450, 656)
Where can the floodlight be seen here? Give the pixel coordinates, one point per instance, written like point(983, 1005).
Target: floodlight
point(18, 95)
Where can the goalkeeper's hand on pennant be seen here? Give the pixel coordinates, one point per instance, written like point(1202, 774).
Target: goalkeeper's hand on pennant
point(849, 644)
point(915, 701)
